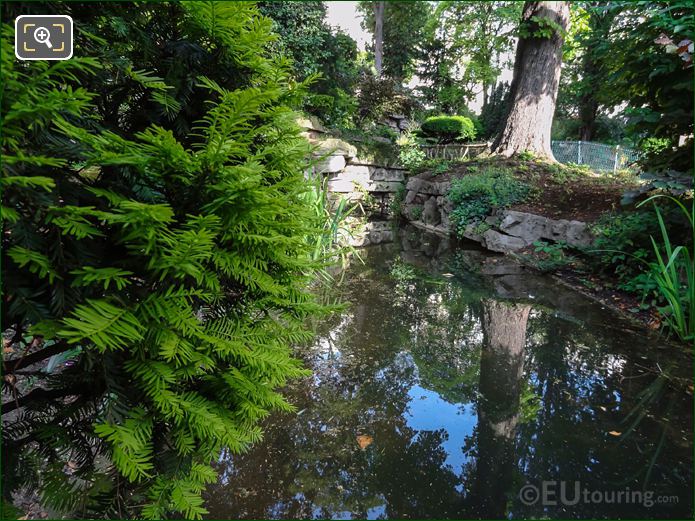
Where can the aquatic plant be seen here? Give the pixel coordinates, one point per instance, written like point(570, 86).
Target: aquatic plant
point(674, 273)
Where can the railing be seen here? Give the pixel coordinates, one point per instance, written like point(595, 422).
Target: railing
point(597, 156)
point(455, 151)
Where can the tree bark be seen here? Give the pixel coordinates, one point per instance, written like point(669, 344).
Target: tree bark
point(535, 82)
point(379, 8)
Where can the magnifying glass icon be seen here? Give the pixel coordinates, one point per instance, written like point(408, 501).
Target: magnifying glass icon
point(42, 35)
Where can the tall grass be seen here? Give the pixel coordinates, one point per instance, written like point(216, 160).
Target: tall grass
point(674, 273)
point(331, 244)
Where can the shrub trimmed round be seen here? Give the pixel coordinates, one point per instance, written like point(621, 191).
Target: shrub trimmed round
point(449, 128)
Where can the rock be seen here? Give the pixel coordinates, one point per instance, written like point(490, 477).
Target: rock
point(410, 212)
point(311, 123)
point(349, 179)
point(528, 226)
point(496, 241)
point(383, 186)
point(410, 196)
point(531, 228)
point(414, 184)
point(387, 174)
point(335, 147)
point(443, 188)
point(330, 164)
point(446, 222)
point(470, 232)
point(574, 233)
point(430, 212)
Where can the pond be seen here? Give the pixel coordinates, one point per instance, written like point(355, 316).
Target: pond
point(454, 385)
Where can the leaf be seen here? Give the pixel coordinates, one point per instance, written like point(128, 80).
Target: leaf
point(615, 433)
point(364, 441)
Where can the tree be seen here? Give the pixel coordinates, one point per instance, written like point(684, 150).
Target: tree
point(645, 70)
point(317, 49)
point(379, 8)
point(168, 268)
point(535, 81)
point(403, 30)
point(583, 90)
point(463, 51)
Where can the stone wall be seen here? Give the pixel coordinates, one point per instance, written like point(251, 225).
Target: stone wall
point(427, 205)
point(365, 172)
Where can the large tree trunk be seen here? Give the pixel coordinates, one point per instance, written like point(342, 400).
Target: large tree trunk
point(535, 82)
point(379, 36)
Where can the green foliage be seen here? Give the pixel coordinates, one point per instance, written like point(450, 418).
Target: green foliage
point(447, 129)
point(674, 273)
point(403, 31)
point(416, 213)
point(492, 115)
point(464, 51)
point(474, 196)
point(540, 27)
point(656, 83)
point(329, 245)
point(621, 245)
point(173, 263)
point(410, 153)
point(397, 201)
point(382, 97)
point(551, 256)
point(317, 49)
point(402, 272)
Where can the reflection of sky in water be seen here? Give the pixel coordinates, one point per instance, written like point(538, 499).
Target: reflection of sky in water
point(428, 412)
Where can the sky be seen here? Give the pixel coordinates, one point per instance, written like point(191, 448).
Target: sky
point(345, 16)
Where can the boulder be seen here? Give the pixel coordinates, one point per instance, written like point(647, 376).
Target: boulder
point(414, 184)
point(430, 212)
point(527, 226)
point(311, 123)
point(496, 241)
point(335, 147)
point(410, 196)
point(330, 164)
point(574, 233)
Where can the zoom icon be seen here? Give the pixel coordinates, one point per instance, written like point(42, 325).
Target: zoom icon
point(43, 37)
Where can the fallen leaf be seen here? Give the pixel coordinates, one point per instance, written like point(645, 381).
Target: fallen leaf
point(615, 433)
point(364, 441)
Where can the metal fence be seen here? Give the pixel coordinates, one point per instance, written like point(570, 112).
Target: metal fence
point(597, 156)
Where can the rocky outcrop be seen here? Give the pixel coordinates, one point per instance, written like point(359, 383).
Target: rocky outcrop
point(427, 205)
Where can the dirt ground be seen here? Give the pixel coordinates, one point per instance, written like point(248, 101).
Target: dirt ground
point(558, 191)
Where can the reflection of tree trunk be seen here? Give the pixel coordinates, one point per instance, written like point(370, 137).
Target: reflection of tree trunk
point(501, 369)
point(379, 8)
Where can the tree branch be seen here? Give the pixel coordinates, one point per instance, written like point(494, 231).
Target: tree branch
point(39, 394)
point(10, 366)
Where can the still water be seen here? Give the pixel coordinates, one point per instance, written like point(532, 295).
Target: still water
point(457, 386)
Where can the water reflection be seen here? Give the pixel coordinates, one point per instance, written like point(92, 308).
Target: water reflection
point(440, 396)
